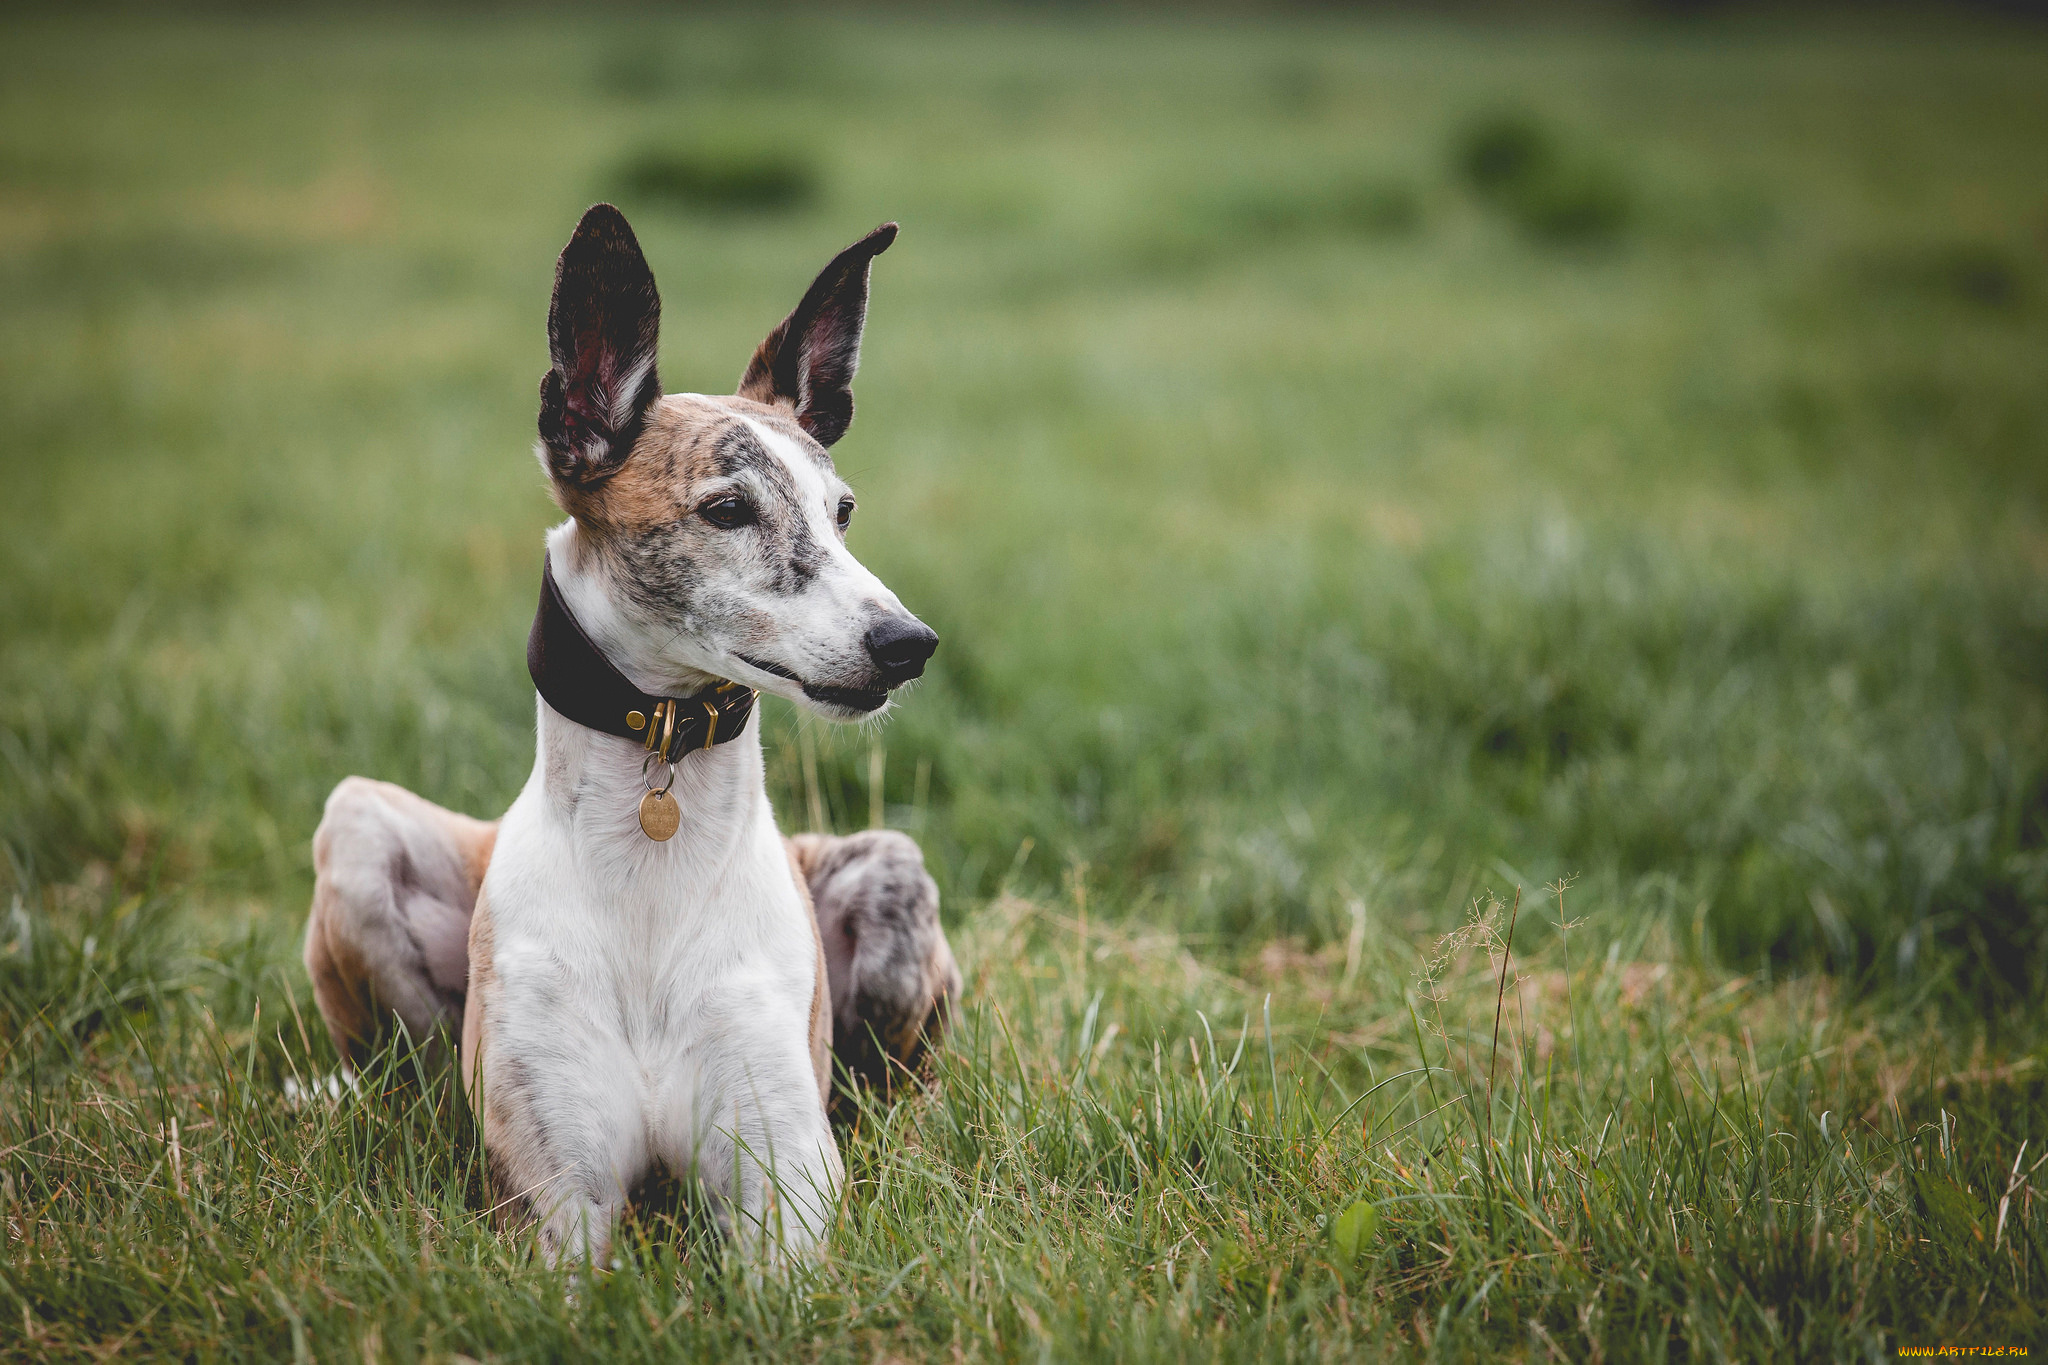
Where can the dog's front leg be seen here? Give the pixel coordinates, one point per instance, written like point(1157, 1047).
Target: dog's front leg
point(772, 1170)
point(773, 1209)
point(572, 1191)
point(578, 1231)
point(563, 1133)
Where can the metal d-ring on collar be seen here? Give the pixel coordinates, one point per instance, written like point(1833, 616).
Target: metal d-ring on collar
point(647, 765)
point(669, 728)
point(573, 676)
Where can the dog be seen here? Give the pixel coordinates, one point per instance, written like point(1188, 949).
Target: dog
point(645, 977)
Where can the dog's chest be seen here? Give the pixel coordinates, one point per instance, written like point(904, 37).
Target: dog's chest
point(666, 951)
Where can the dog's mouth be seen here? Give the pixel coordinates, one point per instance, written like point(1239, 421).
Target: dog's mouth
point(860, 700)
point(846, 698)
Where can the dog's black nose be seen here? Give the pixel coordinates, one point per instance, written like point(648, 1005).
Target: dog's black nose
point(899, 645)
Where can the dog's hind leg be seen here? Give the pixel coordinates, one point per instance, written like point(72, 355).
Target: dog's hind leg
point(893, 979)
point(395, 882)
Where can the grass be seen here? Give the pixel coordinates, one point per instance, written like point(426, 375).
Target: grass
point(1326, 544)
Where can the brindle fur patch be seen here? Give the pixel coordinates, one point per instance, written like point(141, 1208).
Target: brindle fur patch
point(892, 972)
point(643, 520)
point(686, 441)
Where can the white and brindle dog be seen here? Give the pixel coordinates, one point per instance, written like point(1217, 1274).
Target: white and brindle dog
point(645, 975)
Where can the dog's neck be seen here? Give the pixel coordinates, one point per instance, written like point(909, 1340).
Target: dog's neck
point(594, 780)
point(629, 646)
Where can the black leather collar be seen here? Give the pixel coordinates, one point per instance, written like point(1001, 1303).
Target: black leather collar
point(573, 676)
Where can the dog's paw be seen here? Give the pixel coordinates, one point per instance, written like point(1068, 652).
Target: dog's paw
point(326, 1089)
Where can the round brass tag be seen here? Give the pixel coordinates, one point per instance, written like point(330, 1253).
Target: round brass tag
point(659, 816)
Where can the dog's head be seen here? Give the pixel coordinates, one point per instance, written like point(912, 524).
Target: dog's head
point(717, 526)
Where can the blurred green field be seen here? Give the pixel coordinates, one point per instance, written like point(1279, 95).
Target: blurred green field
point(1354, 468)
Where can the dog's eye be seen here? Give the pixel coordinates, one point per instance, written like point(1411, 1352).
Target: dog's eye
point(845, 512)
point(728, 512)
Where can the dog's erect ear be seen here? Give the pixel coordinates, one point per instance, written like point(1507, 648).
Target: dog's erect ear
point(809, 359)
point(603, 325)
